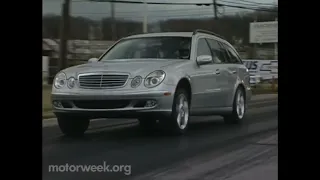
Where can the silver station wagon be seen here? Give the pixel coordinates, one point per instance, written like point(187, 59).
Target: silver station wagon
point(156, 78)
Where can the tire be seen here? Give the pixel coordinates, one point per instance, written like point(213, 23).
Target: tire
point(238, 108)
point(175, 123)
point(73, 126)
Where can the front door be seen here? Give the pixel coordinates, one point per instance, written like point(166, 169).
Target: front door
point(206, 87)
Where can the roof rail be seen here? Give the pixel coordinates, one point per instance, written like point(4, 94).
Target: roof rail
point(207, 32)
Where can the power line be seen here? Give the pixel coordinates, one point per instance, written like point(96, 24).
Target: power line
point(140, 2)
point(168, 15)
point(248, 4)
point(251, 8)
point(159, 15)
point(256, 2)
point(193, 15)
point(174, 3)
point(156, 13)
point(153, 11)
point(177, 3)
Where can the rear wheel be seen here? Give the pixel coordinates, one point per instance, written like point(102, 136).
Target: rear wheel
point(239, 108)
point(72, 125)
point(179, 120)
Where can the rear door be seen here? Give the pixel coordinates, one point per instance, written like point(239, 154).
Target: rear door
point(236, 70)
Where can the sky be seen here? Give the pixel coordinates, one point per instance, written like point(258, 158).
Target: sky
point(98, 10)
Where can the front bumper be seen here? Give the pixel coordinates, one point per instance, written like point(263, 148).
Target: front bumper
point(122, 104)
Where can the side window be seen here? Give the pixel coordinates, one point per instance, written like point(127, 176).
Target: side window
point(225, 52)
point(203, 48)
point(217, 51)
point(234, 58)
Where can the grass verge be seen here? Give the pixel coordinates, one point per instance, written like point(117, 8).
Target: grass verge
point(265, 89)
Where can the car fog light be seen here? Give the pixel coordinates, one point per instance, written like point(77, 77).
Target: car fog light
point(57, 104)
point(151, 103)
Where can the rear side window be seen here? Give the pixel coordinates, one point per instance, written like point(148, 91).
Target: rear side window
point(234, 58)
point(217, 51)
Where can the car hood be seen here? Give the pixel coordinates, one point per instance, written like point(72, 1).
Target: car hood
point(135, 67)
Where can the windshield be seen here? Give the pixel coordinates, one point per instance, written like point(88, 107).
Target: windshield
point(150, 47)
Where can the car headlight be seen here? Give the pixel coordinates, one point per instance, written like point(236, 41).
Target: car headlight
point(71, 82)
point(60, 80)
point(154, 79)
point(136, 81)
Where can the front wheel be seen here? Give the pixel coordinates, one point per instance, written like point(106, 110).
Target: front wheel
point(239, 108)
point(73, 126)
point(179, 119)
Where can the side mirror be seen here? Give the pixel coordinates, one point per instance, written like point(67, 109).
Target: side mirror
point(204, 59)
point(91, 60)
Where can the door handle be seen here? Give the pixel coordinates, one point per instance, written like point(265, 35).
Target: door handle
point(217, 71)
point(233, 72)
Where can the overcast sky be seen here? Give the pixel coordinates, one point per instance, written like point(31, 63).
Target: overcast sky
point(98, 10)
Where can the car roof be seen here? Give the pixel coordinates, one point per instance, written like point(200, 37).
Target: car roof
point(163, 34)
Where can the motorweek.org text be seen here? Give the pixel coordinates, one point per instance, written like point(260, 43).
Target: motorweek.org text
point(104, 167)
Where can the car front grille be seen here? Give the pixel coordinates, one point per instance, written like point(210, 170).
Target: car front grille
point(98, 81)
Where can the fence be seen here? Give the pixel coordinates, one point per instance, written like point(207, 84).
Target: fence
point(266, 69)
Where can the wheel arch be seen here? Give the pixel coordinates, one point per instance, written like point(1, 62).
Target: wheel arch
point(238, 85)
point(185, 82)
point(241, 85)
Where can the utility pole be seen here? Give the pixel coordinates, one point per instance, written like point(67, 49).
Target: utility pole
point(113, 23)
point(101, 29)
point(215, 9)
point(255, 44)
point(145, 17)
point(64, 33)
point(276, 47)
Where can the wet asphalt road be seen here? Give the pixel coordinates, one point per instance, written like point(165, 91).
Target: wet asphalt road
point(148, 152)
point(251, 158)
